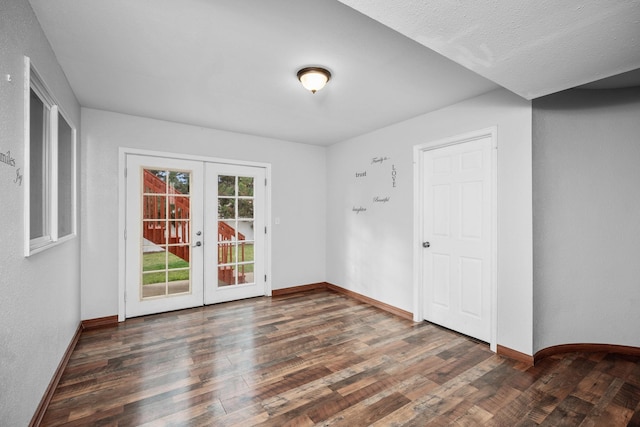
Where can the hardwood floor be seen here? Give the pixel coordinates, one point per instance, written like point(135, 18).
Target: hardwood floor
point(320, 358)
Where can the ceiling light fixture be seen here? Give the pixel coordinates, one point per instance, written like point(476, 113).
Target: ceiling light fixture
point(314, 78)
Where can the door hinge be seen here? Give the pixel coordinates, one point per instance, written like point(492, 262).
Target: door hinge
point(125, 234)
point(265, 182)
point(125, 172)
point(265, 277)
point(265, 229)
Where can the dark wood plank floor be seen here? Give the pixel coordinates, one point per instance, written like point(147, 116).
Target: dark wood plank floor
point(320, 358)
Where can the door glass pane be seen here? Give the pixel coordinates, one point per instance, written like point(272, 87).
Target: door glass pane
point(226, 253)
point(227, 231)
point(155, 181)
point(245, 208)
point(236, 233)
point(179, 182)
point(179, 232)
point(154, 284)
point(226, 185)
point(245, 252)
point(245, 230)
point(226, 208)
point(179, 207)
point(154, 206)
point(178, 281)
point(166, 226)
point(245, 186)
point(154, 232)
point(245, 273)
point(226, 275)
point(154, 258)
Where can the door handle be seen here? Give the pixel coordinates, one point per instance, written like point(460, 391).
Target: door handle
point(424, 244)
point(197, 245)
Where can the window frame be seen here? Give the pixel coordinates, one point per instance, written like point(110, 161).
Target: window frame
point(51, 174)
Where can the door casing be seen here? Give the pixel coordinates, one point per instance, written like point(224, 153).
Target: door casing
point(418, 216)
point(122, 157)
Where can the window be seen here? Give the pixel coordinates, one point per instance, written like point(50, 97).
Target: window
point(50, 138)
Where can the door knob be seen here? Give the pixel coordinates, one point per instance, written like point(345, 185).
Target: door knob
point(426, 244)
point(197, 244)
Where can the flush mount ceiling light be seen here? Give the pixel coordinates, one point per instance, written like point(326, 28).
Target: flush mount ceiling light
point(314, 78)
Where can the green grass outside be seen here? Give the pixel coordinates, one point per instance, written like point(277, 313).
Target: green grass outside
point(156, 261)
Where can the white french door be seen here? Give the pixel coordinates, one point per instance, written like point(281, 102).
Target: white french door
point(457, 236)
point(164, 214)
point(191, 233)
point(234, 265)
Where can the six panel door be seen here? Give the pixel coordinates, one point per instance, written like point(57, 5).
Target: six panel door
point(457, 225)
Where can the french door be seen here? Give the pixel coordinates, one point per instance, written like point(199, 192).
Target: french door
point(457, 240)
point(236, 230)
point(192, 233)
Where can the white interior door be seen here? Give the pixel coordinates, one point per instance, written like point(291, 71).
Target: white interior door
point(164, 208)
point(234, 250)
point(457, 240)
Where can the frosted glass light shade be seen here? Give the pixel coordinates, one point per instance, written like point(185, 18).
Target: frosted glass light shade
point(314, 78)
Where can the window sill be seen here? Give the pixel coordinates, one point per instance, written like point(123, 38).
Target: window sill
point(40, 245)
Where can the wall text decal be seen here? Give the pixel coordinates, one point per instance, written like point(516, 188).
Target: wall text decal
point(18, 179)
point(9, 160)
point(394, 172)
point(379, 159)
point(6, 158)
point(376, 181)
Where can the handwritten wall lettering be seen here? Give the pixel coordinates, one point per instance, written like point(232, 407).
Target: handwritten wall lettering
point(18, 179)
point(379, 160)
point(6, 158)
point(378, 179)
point(384, 199)
point(394, 172)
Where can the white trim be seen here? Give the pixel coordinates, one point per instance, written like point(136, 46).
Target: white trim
point(418, 308)
point(122, 186)
point(74, 177)
point(53, 181)
point(267, 256)
point(122, 222)
point(26, 173)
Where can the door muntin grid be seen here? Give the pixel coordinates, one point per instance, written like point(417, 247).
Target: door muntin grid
point(166, 223)
point(236, 230)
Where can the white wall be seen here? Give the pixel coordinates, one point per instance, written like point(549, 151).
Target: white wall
point(586, 157)
point(298, 197)
point(39, 295)
point(371, 252)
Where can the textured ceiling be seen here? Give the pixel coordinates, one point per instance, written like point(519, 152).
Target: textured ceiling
point(532, 48)
point(231, 65)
